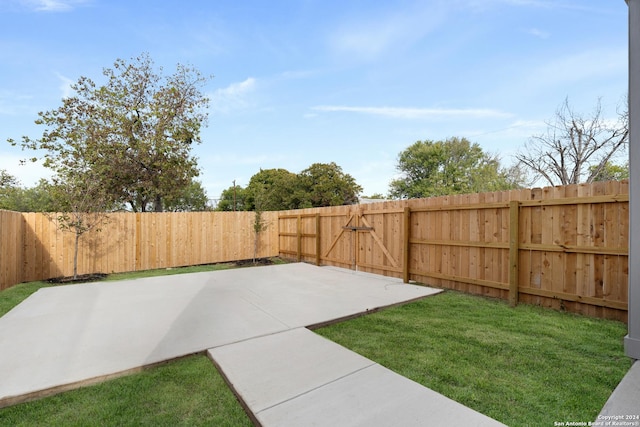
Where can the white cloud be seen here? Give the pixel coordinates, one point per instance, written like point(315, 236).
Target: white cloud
point(12, 103)
point(65, 86)
point(368, 37)
point(243, 158)
point(375, 175)
point(239, 159)
point(534, 3)
point(417, 113)
point(550, 5)
point(518, 130)
point(53, 5)
point(540, 4)
point(580, 66)
point(233, 97)
point(297, 74)
point(538, 33)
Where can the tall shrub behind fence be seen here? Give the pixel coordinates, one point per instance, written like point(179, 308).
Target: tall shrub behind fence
point(34, 248)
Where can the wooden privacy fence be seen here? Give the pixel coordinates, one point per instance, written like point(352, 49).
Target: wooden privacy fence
point(32, 247)
point(563, 247)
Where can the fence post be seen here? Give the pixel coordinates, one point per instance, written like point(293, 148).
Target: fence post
point(278, 232)
point(406, 222)
point(514, 219)
point(317, 239)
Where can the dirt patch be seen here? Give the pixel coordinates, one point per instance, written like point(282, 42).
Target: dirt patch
point(82, 278)
point(250, 262)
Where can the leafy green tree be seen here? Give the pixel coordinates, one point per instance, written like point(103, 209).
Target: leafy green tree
point(84, 205)
point(453, 166)
point(7, 180)
point(611, 172)
point(14, 197)
point(232, 199)
point(325, 184)
point(134, 133)
point(273, 189)
point(192, 198)
point(40, 198)
point(374, 196)
point(259, 225)
point(517, 176)
point(278, 189)
point(9, 185)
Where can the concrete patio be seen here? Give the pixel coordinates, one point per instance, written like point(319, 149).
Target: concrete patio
point(251, 322)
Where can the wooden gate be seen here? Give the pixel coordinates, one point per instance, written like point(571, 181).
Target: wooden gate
point(355, 238)
point(371, 244)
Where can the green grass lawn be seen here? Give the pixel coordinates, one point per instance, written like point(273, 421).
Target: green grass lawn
point(523, 366)
point(187, 392)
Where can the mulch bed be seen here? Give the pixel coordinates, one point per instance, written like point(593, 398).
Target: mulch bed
point(249, 262)
point(94, 277)
point(82, 278)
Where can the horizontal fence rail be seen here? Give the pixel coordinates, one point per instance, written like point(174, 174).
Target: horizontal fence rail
point(563, 247)
point(33, 247)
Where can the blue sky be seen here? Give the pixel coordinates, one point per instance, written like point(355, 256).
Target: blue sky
point(298, 82)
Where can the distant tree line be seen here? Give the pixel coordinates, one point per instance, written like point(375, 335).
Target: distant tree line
point(49, 196)
point(452, 166)
point(321, 184)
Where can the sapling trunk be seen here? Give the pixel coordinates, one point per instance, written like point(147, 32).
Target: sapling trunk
point(75, 257)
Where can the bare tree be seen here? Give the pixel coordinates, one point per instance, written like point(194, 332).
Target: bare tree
point(259, 223)
point(85, 206)
point(575, 148)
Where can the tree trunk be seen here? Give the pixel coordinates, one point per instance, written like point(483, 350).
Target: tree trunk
point(75, 257)
point(157, 204)
point(255, 248)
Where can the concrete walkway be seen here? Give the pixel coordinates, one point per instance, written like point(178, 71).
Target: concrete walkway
point(250, 321)
point(624, 403)
point(298, 378)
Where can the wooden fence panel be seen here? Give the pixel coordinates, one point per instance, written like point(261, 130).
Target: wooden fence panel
point(569, 237)
point(380, 248)
point(287, 236)
point(32, 247)
point(11, 239)
point(571, 244)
